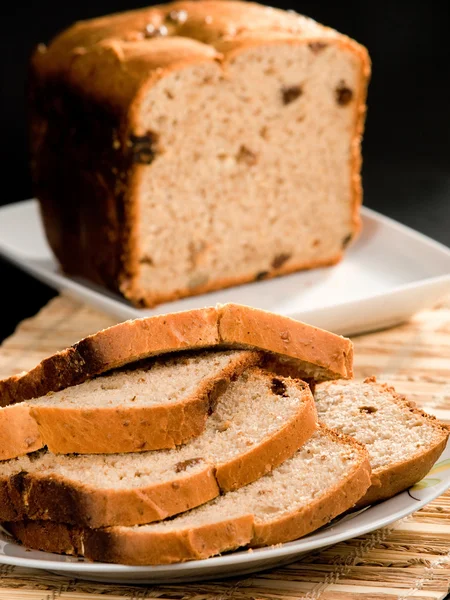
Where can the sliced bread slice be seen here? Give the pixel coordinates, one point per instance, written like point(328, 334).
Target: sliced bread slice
point(322, 480)
point(403, 442)
point(156, 404)
point(316, 353)
point(259, 421)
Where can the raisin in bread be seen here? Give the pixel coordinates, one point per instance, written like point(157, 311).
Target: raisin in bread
point(322, 480)
point(171, 131)
point(403, 442)
point(311, 352)
point(260, 421)
point(153, 405)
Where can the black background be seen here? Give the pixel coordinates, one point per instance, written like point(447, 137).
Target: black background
point(406, 171)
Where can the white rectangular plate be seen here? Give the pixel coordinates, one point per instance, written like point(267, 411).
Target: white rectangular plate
point(390, 273)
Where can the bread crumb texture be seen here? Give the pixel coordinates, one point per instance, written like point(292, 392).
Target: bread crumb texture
point(390, 427)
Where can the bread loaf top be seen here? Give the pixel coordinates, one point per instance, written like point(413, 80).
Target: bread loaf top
point(142, 45)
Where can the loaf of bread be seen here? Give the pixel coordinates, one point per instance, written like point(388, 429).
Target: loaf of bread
point(152, 405)
point(311, 352)
point(197, 145)
point(259, 422)
point(322, 480)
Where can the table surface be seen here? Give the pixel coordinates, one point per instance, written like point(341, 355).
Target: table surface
point(409, 559)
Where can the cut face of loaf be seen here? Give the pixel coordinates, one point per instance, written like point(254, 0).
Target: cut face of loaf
point(308, 351)
point(323, 479)
point(403, 442)
point(154, 405)
point(227, 138)
point(259, 422)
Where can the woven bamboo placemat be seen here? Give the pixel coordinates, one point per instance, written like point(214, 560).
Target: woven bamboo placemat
point(410, 559)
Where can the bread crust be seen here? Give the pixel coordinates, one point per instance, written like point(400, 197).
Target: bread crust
point(103, 242)
point(210, 327)
point(48, 536)
point(19, 432)
point(123, 545)
point(35, 496)
point(327, 354)
point(401, 476)
point(119, 545)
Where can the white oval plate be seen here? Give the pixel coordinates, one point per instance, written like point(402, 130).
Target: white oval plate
point(390, 273)
point(241, 562)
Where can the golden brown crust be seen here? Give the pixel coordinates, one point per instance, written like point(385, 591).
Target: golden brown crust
point(401, 476)
point(104, 242)
point(35, 496)
point(114, 430)
point(48, 536)
point(327, 353)
point(131, 341)
point(120, 545)
point(128, 546)
point(19, 432)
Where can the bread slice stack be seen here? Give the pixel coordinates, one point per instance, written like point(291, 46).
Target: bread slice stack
point(319, 482)
point(182, 436)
